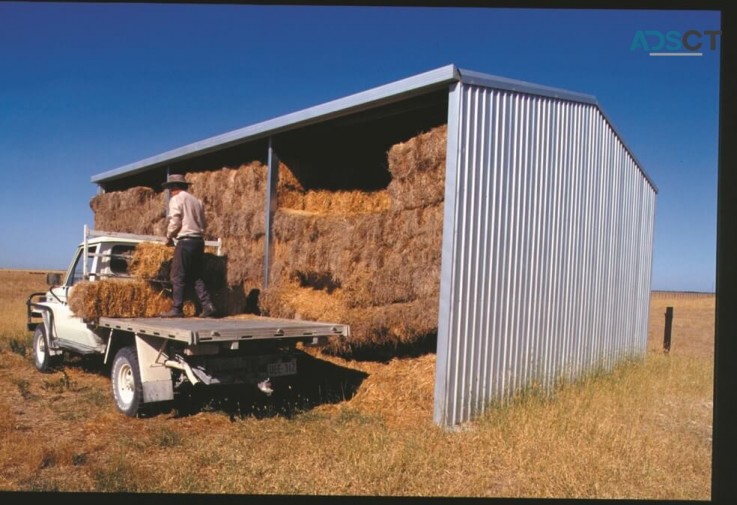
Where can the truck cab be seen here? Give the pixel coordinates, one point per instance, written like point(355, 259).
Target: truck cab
point(97, 258)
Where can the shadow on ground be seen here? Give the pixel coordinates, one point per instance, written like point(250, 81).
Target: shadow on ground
point(317, 382)
point(385, 352)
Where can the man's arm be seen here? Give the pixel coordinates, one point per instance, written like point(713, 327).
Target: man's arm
point(175, 220)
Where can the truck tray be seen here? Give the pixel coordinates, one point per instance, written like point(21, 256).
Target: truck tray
point(193, 330)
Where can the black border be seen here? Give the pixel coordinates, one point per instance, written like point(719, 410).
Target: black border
point(724, 464)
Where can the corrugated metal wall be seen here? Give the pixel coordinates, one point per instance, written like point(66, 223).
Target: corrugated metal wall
point(547, 248)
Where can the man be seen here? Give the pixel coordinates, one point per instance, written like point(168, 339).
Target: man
point(187, 225)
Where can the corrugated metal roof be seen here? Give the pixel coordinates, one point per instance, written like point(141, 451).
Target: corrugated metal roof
point(387, 93)
point(381, 95)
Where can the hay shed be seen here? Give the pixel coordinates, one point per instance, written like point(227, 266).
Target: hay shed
point(505, 222)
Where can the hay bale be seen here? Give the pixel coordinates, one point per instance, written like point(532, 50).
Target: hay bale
point(82, 301)
point(371, 327)
point(289, 191)
point(380, 258)
point(295, 302)
point(151, 260)
point(400, 266)
point(324, 202)
point(138, 210)
point(91, 300)
point(307, 242)
point(244, 261)
point(417, 167)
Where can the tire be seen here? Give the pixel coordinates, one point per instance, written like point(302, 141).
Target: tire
point(42, 358)
point(126, 381)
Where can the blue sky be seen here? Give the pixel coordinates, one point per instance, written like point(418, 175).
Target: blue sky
point(87, 88)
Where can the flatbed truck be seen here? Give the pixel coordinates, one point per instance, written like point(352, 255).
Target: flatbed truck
point(151, 358)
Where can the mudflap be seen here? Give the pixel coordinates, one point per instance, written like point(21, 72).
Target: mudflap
point(156, 378)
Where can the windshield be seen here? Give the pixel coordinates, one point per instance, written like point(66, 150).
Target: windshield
point(76, 273)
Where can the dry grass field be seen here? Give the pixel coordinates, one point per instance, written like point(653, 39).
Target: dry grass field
point(365, 428)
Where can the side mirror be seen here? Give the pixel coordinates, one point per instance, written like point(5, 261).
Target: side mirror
point(53, 279)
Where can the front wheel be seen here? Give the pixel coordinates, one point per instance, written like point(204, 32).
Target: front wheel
point(126, 379)
point(42, 358)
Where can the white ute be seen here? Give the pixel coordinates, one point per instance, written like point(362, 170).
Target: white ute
point(152, 357)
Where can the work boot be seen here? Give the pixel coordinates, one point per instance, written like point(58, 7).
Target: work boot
point(208, 310)
point(172, 313)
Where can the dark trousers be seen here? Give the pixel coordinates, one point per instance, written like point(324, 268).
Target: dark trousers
point(186, 270)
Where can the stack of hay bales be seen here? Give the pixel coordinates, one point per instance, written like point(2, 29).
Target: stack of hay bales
point(138, 210)
point(370, 259)
point(234, 200)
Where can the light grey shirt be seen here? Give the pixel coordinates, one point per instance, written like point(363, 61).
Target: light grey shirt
point(186, 216)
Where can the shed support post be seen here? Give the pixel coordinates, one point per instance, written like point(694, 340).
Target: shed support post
point(272, 178)
point(445, 405)
point(166, 200)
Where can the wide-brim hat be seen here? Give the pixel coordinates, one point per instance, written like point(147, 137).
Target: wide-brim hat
point(175, 180)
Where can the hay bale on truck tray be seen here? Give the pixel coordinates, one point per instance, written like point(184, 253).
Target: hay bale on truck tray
point(148, 292)
point(91, 300)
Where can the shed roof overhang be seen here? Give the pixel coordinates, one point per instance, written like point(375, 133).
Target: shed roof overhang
point(387, 94)
point(416, 92)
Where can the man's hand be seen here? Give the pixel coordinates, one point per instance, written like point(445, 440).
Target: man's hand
point(169, 241)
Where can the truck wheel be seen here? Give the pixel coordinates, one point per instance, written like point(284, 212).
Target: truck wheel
point(126, 379)
point(43, 360)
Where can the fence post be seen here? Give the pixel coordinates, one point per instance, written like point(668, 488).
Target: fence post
point(668, 326)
